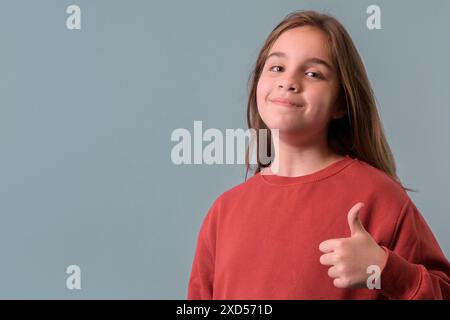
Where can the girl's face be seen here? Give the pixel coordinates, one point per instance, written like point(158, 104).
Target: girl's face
point(298, 86)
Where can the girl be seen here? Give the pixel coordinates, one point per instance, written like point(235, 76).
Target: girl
point(327, 218)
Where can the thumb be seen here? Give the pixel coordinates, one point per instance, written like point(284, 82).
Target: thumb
point(353, 219)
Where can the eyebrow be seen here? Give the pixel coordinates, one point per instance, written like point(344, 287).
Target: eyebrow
point(314, 60)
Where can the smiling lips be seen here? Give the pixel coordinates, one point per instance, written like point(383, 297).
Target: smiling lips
point(285, 102)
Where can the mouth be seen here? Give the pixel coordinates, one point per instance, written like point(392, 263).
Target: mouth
point(286, 103)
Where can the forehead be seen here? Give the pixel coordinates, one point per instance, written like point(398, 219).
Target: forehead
point(303, 42)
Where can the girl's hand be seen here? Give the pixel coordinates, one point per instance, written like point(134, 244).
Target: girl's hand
point(350, 257)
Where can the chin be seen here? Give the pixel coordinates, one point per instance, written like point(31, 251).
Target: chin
point(282, 123)
point(284, 127)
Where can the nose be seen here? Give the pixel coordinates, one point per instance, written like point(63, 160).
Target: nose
point(289, 85)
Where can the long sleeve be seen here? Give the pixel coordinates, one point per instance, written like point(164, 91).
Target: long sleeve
point(260, 238)
point(416, 267)
point(201, 280)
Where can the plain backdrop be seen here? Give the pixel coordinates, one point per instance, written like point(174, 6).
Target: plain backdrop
point(86, 118)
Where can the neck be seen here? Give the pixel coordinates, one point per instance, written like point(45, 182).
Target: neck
point(296, 158)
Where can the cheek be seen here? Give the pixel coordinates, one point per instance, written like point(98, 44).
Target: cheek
point(262, 90)
point(320, 98)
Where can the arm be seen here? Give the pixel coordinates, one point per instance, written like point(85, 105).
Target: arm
point(201, 280)
point(416, 267)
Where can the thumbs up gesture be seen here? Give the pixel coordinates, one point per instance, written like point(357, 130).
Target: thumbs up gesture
point(350, 257)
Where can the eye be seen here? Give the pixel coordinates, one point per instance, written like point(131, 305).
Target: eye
point(275, 70)
point(314, 75)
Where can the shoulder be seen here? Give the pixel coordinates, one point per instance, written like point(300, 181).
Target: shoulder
point(242, 188)
point(387, 201)
point(375, 181)
point(235, 195)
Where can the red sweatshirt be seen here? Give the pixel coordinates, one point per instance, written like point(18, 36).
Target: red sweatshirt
point(260, 239)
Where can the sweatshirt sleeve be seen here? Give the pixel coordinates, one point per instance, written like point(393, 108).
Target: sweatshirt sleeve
point(201, 280)
point(416, 267)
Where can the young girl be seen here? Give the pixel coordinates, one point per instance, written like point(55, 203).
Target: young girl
point(327, 218)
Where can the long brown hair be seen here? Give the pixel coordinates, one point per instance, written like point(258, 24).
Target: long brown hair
point(360, 133)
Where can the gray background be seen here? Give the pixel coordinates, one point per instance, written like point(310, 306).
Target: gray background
point(86, 118)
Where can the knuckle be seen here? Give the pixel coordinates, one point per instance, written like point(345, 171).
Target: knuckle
point(322, 259)
point(339, 257)
point(343, 269)
point(330, 272)
point(346, 282)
